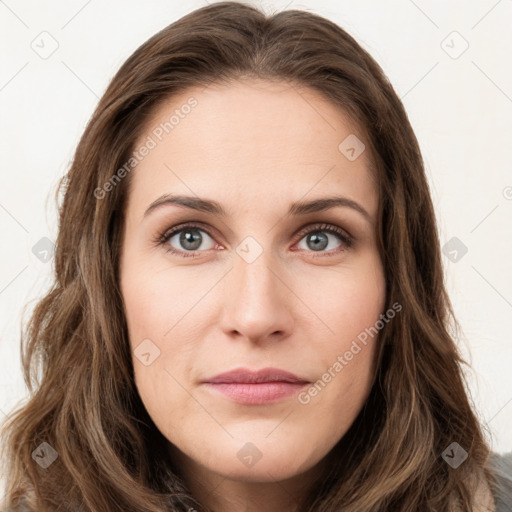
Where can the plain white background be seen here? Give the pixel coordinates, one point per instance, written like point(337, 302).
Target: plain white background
point(448, 61)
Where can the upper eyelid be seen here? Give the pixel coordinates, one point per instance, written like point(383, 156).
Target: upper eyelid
point(179, 227)
point(325, 226)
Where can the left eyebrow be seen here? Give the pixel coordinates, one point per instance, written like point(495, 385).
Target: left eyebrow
point(297, 208)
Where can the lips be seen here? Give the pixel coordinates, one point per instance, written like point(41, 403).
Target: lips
point(260, 387)
point(246, 376)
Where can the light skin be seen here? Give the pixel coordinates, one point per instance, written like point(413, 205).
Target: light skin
point(255, 147)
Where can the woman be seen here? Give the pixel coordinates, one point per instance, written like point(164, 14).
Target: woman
point(297, 355)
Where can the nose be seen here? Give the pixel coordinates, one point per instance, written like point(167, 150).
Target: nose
point(258, 302)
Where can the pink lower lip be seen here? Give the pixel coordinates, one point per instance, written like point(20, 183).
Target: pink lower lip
point(256, 394)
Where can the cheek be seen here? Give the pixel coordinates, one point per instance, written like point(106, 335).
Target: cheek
point(145, 314)
point(160, 341)
point(155, 300)
point(346, 300)
point(350, 307)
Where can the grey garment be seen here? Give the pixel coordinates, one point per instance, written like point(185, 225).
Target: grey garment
point(502, 468)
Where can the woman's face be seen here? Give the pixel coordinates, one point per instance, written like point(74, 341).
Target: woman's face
point(268, 283)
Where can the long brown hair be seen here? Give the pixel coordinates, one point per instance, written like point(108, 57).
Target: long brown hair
point(83, 402)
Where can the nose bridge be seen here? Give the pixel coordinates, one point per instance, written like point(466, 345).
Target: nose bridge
point(256, 302)
point(254, 272)
point(254, 265)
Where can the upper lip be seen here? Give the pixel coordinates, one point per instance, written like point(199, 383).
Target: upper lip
point(244, 375)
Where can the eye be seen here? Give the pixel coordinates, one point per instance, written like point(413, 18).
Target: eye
point(187, 237)
point(316, 239)
point(186, 240)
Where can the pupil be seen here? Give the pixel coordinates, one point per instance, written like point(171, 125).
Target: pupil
point(318, 242)
point(187, 237)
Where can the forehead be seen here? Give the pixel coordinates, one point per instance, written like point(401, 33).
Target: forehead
point(251, 138)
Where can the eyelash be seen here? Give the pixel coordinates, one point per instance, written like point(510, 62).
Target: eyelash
point(347, 240)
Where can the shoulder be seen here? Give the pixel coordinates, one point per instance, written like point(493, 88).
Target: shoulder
point(501, 466)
